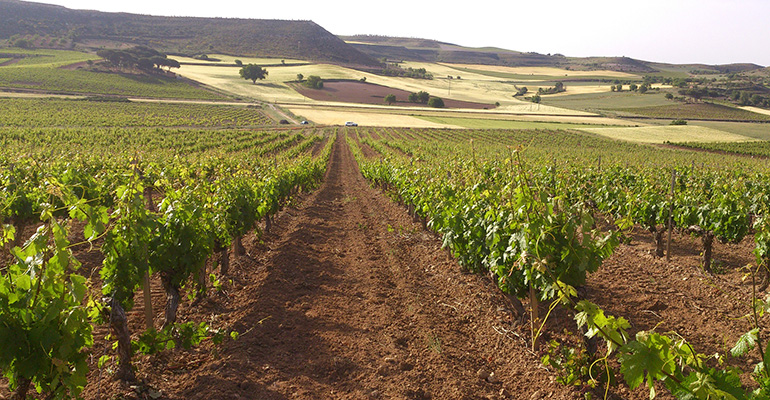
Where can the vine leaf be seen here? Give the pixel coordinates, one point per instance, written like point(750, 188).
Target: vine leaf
point(635, 359)
point(746, 342)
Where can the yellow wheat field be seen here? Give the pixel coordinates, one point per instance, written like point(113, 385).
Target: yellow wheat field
point(549, 71)
point(674, 134)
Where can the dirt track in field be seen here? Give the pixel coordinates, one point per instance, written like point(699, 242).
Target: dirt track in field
point(350, 299)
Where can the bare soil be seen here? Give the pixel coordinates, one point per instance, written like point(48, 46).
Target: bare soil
point(349, 298)
point(370, 93)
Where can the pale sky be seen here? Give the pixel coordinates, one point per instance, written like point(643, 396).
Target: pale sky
point(675, 31)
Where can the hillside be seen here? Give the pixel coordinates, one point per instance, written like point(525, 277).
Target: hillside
point(184, 35)
point(426, 50)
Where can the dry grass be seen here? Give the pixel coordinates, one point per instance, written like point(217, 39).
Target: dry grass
point(549, 71)
point(472, 87)
point(756, 110)
point(363, 118)
point(661, 134)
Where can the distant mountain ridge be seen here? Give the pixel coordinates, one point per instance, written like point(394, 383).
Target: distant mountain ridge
point(286, 39)
point(427, 50)
point(184, 35)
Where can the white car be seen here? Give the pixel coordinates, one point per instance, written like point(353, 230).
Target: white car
point(351, 123)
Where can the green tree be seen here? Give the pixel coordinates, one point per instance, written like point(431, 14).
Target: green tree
point(644, 88)
point(619, 87)
point(423, 96)
point(436, 102)
point(745, 98)
point(669, 96)
point(390, 99)
point(536, 98)
point(314, 82)
point(253, 72)
point(632, 87)
point(300, 77)
point(238, 63)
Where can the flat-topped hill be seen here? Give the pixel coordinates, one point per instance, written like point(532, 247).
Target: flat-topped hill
point(185, 35)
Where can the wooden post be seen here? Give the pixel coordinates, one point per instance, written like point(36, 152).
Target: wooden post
point(534, 310)
point(671, 216)
point(149, 322)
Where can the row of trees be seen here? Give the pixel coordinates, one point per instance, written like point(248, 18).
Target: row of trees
point(417, 73)
point(140, 57)
point(557, 88)
point(421, 97)
point(643, 88)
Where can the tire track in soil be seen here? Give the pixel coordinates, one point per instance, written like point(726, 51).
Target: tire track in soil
point(354, 300)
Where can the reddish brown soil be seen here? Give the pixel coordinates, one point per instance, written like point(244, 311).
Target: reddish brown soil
point(369, 93)
point(349, 298)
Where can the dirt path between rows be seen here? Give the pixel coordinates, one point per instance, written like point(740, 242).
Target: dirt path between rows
point(353, 300)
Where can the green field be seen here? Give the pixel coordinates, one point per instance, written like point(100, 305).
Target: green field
point(699, 111)
point(761, 149)
point(752, 130)
point(45, 57)
point(36, 112)
point(601, 102)
point(40, 70)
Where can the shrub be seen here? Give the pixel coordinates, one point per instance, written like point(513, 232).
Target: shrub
point(436, 102)
point(314, 82)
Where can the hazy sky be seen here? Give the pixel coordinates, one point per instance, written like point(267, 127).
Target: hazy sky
point(677, 31)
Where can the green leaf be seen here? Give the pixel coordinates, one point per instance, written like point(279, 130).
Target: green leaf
point(746, 342)
point(23, 282)
point(79, 288)
point(635, 359)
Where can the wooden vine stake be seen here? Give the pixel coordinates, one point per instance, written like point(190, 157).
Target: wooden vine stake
point(149, 321)
point(671, 216)
point(534, 321)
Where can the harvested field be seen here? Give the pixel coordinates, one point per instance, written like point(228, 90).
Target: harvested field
point(547, 71)
point(660, 134)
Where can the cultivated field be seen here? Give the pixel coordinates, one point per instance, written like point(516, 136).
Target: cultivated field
point(296, 260)
point(661, 134)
